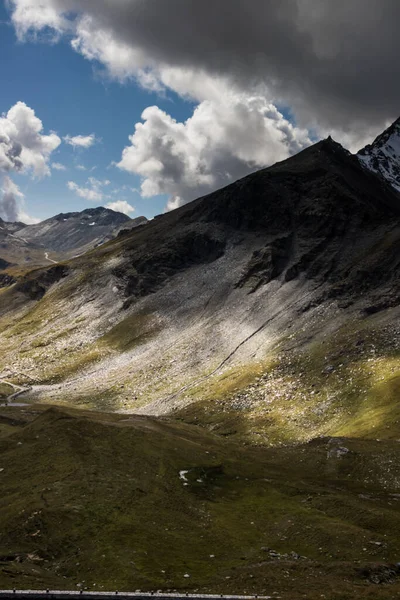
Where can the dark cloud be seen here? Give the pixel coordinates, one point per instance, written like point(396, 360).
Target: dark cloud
point(337, 60)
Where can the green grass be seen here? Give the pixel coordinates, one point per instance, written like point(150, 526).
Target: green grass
point(343, 383)
point(5, 390)
point(97, 500)
point(130, 332)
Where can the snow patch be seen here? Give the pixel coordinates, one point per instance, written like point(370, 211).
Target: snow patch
point(383, 156)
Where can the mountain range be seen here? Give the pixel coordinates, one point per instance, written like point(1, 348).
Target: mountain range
point(251, 335)
point(58, 238)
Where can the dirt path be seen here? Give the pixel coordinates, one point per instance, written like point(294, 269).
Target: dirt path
point(46, 255)
point(19, 390)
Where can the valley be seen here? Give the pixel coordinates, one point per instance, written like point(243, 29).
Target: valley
point(97, 501)
point(248, 340)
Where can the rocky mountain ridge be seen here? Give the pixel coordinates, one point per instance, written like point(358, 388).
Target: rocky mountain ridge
point(75, 231)
point(383, 155)
point(58, 238)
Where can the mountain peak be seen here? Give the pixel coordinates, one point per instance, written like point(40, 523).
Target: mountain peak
point(383, 155)
point(78, 231)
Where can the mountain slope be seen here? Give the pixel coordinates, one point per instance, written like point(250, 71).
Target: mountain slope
point(253, 310)
point(247, 349)
point(383, 155)
point(11, 227)
point(16, 254)
point(77, 232)
point(103, 502)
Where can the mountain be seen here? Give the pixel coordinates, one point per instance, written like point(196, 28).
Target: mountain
point(23, 247)
point(197, 304)
point(383, 155)
point(236, 366)
point(16, 254)
point(77, 232)
point(6, 226)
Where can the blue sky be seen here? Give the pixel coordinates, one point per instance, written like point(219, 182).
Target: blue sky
point(69, 97)
point(184, 99)
point(179, 113)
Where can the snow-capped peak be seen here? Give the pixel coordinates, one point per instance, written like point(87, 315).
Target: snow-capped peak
point(383, 155)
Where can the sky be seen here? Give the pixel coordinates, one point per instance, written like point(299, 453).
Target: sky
point(144, 105)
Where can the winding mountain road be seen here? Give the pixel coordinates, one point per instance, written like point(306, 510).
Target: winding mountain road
point(19, 390)
point(46, 255)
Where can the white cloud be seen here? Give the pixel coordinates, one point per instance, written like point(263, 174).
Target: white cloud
point(93, 190)
point(98, 183)
point(58, 166)
point(325, 60)
point(32, 16)
point(23, 147)
point(81, 141)
point(12, 203)
point(97, 43)
point(27, 219)
point(236, 74)
point(83, 168)
point(10, 186)
point(84, 192)
point(222, 141)
point(121, 206)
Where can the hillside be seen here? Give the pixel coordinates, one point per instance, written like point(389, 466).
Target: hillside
point(267, 311)
point(102, 502)
point(16, 255)
point(77, 232)
point(24, 247)
point(240, 359)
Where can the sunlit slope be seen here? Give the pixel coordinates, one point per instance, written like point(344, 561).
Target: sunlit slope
point(271, 277)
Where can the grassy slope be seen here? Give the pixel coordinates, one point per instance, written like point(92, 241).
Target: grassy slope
point(341, 382)
point(5, 390)
point(344, 382)
point(98, 501)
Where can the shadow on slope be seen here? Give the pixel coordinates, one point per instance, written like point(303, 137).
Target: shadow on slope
point(116, 502)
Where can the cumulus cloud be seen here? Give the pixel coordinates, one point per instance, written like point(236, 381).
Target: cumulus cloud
point(12, 203)
point(24, 149)
point(93, 191)
point(331, 62)
point(81, 141)
point(23, 146)
point(9, 209)
point(58, 166)
point(85, 192)
point(121, 206)
point(23, 217)
point(221, 142)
